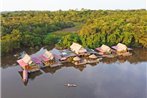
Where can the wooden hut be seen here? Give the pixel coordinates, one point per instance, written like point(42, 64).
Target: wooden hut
point(78, 49)
point(26, 63)
point(122, 49)
point(104, 49)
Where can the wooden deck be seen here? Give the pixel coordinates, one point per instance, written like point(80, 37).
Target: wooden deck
point(82, 63)
point(125, 54)
point(93, 61)
point(55, 65)
point(33, 68)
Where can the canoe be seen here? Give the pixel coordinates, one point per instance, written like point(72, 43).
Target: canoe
point(70, 85)
point(25, 75)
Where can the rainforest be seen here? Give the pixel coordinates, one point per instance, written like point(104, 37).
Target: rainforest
point(91, 28)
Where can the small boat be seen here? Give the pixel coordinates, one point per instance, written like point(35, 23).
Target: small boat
point(25, 76)
point(70, 85)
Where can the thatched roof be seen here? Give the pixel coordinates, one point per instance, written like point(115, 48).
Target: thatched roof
point(77, 48)
point(105, 48)
point(121, 47)
point(27, 59)
point(93, 56)
point(48, 54)
point(76, 58)
point(82, 50)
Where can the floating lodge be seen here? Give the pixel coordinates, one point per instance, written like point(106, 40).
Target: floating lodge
point(77, 55)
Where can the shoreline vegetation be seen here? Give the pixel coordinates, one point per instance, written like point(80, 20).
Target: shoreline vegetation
point(90, 28)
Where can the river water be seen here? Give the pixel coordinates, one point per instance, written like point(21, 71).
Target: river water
point(111, 78)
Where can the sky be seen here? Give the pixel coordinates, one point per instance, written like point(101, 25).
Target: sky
point(18, 5)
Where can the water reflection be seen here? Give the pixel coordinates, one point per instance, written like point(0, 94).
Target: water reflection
point(31, 76)
point(51, 70)
point(111, 78)
point(115, 80)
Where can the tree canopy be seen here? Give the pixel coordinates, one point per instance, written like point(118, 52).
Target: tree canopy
point(35, 28)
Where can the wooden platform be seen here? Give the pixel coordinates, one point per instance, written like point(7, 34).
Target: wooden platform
point(125, 54)
point(93, 61)
point(109, 56)
point(83, 62)
point(33, 68)
point(55, 65)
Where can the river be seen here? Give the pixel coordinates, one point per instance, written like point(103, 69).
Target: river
point(111, 78)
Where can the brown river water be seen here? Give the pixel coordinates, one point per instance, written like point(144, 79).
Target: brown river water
point(111, 78)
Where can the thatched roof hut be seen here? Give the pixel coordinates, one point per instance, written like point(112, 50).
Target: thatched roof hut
point(82, 50)
point(92, 56)
point(76, 58)
point(42, 52)
point(105, 48)
point(77, 48)
point(121, 47)
point(27, 59)
point(48, 54)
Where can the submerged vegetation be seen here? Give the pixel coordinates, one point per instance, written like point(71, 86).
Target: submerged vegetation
point(37, 28)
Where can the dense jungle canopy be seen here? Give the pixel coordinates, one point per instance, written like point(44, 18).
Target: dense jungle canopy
point(30, 29)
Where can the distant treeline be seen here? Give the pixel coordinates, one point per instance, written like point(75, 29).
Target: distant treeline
point(34, 28)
